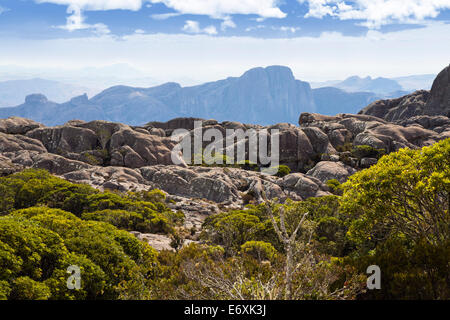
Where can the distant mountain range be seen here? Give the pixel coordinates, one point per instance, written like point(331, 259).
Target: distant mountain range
point(383, 86)
point(96, 78)
point(377, 85)
point(417, 82)
point(13, 92)
point(261, 95)
point(331, 101)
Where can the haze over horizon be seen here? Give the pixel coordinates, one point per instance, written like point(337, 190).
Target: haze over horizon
point(168, 40)
point(98, 78)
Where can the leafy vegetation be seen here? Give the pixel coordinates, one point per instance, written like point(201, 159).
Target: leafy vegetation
point(283, 171)
point(39, 244)
point(335, 186)
point(394, 215)
point(49, 224)
point(364, 151)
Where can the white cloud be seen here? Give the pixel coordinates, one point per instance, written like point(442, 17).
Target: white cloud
point(174, 56)
point(218, 9)
point(164, 16)
point(221, 8)
point(211, 30)
point(275, 28)
point(376, 13)
point(213, 8)
point(227, 23)
point(139, 31)
point(76, 22)
point(76, 7)
point(259, 26)
point(319, 8)
point(194, 27)
point(99, 5)
point(287, 29)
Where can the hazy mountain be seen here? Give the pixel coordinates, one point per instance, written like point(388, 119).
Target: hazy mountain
point(331, 101)
point(323, 84)
point(368, 84)
point(261, 95)
point(416, 82)
point(418, 106)
point(13, 92)
point(39, 108)
point(357, 84)
point(380, 85)
point(96, 78)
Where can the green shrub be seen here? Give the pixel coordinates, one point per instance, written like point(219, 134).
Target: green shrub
point(5, 289)
point(345, 147)
point(335, 186)
point(281, 170)
point(24, 288)
point(398, 214)
point(121, 219)
point(259, 250)
point(364, 151)
point(406, 192)
point(232, 229)
point(38, 244)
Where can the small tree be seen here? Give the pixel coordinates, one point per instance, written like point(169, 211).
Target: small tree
point(289, 243)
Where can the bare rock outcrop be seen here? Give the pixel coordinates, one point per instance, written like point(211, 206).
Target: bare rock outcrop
point(228, 186)
point(112, 178)
point(159, 242)
point(7, 167)
point(439, 100)
point(375, 132)
point(115, 156)
point(104, 143)
point(65, 139)
point(401, 108)
point(14, 143)
point(17, 125)
point(328, 170)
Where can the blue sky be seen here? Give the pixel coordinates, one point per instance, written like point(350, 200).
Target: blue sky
point(209, 39)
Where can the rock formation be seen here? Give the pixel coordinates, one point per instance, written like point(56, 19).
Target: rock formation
point(268, 95)
point(115, 156)
point(431, 103)
point(111, 155)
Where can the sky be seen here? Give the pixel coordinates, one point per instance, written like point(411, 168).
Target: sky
point(193, 41)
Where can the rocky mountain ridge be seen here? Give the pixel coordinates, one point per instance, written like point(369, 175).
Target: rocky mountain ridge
point(116, 156)
point(269, 95)
point(13, 91)
point(260, 91)
point(435, 102)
